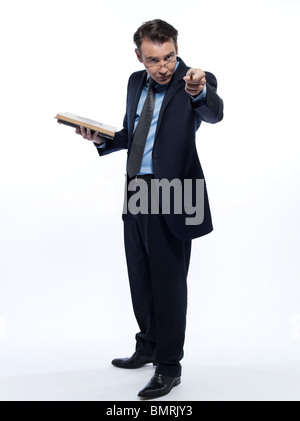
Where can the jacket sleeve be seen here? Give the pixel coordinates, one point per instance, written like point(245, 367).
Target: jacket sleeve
point(209, 109)
point(120, 141)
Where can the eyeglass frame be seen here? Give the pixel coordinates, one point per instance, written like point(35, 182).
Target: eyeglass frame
point(161, 65)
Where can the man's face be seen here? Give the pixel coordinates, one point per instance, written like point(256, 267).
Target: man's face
point(154, 56)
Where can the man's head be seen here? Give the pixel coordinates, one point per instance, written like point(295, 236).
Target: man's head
point(156, 48)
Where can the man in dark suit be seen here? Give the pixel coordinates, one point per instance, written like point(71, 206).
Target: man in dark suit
point(166, 104)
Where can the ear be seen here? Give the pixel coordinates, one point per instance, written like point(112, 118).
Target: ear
point(138, 55)
point(176, 47)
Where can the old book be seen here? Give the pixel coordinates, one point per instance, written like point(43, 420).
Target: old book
point(74, 120)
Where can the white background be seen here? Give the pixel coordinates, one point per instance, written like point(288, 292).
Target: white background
point(64, 296)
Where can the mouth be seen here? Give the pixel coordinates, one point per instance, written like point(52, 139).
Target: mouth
point(164, 78)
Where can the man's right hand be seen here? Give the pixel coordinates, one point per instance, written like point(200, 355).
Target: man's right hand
point(89, 135)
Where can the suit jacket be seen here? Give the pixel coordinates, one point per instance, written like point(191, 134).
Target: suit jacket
point(174, 152)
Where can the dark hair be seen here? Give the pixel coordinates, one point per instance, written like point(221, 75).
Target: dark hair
point(156, 30)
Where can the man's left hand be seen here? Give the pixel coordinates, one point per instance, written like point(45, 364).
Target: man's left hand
point(194, 81)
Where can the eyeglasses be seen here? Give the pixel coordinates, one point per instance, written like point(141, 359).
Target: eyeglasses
point(160, 65)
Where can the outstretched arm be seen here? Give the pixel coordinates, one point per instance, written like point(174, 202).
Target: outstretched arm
point(209, 108)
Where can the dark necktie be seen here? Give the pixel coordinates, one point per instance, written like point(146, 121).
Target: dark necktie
point(141, 133)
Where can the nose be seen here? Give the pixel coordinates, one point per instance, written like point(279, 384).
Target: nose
point(163, 70)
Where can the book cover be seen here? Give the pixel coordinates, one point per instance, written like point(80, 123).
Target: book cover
point(74, 120)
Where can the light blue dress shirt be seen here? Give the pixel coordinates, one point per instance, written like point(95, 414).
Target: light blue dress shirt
point(160, 91)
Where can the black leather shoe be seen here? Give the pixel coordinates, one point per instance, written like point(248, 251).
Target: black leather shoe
point(135, 361)
point(159, 386)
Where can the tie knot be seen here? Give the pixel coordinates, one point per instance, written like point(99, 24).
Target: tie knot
point(151, 83)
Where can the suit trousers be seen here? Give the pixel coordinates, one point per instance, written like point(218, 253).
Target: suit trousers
point(157, 264)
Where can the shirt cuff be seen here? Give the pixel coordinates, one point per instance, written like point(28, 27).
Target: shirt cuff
point(201, 96)
point(102, 146)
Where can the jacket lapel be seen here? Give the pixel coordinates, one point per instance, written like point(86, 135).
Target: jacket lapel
point(134, 104)
point(175, 85)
